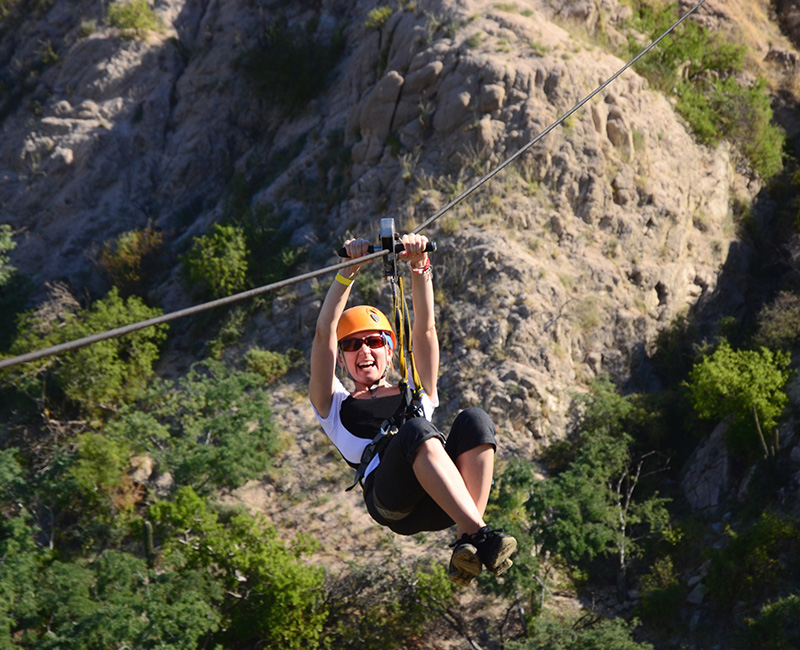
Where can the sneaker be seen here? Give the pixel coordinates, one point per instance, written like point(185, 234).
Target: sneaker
point(494, 549)
point(465, 565)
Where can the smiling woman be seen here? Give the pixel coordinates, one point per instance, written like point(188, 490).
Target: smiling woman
point(414, 479)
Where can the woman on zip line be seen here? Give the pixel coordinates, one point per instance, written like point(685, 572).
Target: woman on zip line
point(420, 480)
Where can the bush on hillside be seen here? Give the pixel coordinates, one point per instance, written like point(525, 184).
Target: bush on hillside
point(130, 258)
point(700, 69)
point(217, 262)
point(757, 565)
point(272, 597)
point(212, 429)
point(134, 19)
point(779, 322)
point(98, 377)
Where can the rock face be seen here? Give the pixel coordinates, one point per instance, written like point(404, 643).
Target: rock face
point(564, 266)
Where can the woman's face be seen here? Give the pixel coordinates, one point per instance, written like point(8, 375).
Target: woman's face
point(367, 364)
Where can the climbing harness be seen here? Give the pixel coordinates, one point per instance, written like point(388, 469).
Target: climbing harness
point(411, 393)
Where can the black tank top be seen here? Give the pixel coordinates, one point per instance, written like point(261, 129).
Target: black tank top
point(364, 417)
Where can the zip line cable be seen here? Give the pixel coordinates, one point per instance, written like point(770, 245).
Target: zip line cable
point(221, 302)
point(189, 311)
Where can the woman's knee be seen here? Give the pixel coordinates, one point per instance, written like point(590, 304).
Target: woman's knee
point(472, 428)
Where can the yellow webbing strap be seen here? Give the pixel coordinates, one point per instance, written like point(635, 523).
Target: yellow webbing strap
point(402, 322)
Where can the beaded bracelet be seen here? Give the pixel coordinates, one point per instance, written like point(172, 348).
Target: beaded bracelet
point(425, 269)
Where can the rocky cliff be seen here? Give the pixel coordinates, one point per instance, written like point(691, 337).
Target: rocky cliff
point(565, 266)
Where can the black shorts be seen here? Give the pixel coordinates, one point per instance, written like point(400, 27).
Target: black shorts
point(394, 496)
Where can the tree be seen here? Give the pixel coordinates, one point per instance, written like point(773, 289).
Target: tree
point(115, 601)
point(272, 597)
point(97, 377)
point(588, 633)
point(594, 508)
point(212, 429)
point(747, 386)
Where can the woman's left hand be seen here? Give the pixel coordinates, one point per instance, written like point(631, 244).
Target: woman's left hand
point(415, 250)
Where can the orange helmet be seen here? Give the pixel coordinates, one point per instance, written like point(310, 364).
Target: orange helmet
point(363, 318)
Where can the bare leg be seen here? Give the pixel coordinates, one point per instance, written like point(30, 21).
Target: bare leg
point(440, 478)
point(476, 466)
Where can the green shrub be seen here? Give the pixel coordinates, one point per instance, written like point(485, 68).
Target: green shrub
point(374, 609)
point(779, 322)
point(130, 258)
point(269, 255)
point(378, 17)
point(268, 364)
point(662, 595)
point(212, 429)
point(7, 244)
point(115, 601)
point(777, 627)
point(97, 377)
point(757, 565)
point(273, 596)
point(291, 65)
point(748, 386)
point(699, 68)
point(134, 19)
point(596, 633)
point(218, 261)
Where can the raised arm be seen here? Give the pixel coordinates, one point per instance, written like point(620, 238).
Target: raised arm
point(423, 332)
point(323, 349)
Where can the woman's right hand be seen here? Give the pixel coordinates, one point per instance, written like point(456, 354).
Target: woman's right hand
point(356, 248)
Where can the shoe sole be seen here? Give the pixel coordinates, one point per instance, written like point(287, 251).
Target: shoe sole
point(502, 562)
point(465, 566)
point(504, 566)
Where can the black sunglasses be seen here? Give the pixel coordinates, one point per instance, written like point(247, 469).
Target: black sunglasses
point(373, 341)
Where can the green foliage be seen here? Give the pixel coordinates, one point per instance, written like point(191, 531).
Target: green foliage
point(662, 595)
point(272, 596)
point(96, 377)
point(777, 627)
point(779, 323)
point(116, 602)
point(292, 65)
point(594, 507)
point(268, 364)
point(508, 510)
point(378, 17)
point(374, 609)
point(757, 565)
point(746, 385)
point(218, 261)
point(212, 429)
point(269, 255)
point(134, 19)
point(99, 474)
point(131, 257)
point(7, 244)
point(595, 634)
point(699, 68)
point(21, 562)
point(13, 286)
